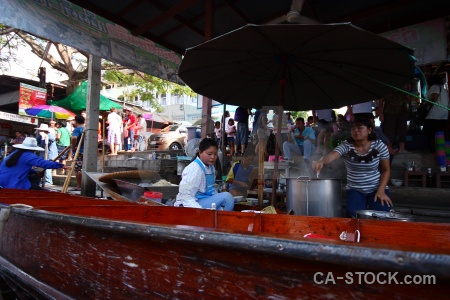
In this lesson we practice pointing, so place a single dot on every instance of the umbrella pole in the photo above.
(46, 158)
(278, 135)
(261, 150)
(103, 145)
(223, 143)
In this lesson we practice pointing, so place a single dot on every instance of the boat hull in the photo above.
(86, 249)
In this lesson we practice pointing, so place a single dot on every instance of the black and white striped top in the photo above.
(363, 173)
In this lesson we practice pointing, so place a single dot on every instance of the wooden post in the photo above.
(91, 126)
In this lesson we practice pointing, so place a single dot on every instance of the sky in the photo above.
(29, 66)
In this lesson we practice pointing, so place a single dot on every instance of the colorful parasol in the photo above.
(49, 112)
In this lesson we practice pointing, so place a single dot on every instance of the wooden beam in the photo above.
(124, 23)
(180, 19)
(174, 10)
(237, 11)
(130, 7)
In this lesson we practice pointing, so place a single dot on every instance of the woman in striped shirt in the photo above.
(364, 156)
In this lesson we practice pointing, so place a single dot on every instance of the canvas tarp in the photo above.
(76, 102)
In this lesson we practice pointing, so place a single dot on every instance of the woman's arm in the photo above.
(318, 165)
(385, 175)
(190, 185)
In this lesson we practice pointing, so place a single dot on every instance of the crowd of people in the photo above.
(60, 139)
(366, 149)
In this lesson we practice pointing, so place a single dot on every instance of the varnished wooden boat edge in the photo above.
(340, 253)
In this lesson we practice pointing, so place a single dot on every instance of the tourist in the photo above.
(324, 119)
(75, 142)
(230, 129)
(242, 174)
(62, 140)
(341, 130)
(198, 179)
(130, 122)
(114, 130)
(16, 170)
(241, 116)
(301, 140)
(19, 138)
(46, 138)
(364, 156)
(392, 112)
(218, 132)
(139, 134)
(437, 117)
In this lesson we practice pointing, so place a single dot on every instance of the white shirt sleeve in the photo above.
(193, 180)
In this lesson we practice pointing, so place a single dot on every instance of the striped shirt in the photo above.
(363, 173)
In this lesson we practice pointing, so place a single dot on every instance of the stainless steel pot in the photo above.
(314, 197)
(384, 215)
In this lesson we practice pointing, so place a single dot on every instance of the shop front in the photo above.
(9, 124)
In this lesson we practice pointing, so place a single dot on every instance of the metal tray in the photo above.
(130, 189)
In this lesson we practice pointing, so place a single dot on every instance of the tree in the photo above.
(11, 38)
(146, 86)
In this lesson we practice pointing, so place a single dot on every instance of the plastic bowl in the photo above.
(397, 182)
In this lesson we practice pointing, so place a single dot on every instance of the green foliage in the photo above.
(302, 114)
(147, 87)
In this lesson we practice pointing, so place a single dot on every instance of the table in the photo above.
(416, 176)
(442, 177)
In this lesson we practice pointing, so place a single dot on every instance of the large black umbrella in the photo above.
(300, 67)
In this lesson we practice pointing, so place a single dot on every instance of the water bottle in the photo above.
(154, 155)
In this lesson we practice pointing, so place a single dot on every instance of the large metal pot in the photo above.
(314, 197)
(384, 215)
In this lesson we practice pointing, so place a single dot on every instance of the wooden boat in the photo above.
(64, 246)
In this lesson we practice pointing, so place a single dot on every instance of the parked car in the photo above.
(172, 138)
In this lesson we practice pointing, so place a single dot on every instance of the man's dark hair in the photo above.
(300, 119)
(79, 119)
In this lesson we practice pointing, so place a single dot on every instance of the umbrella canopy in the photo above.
(155, 118)
(77, 100)
(49, 112)
(300, 67)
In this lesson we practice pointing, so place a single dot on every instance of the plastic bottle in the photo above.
(213, 206)
(429, 178)
(154, 155)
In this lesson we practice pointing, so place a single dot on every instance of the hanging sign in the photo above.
(30, 96)
(17, 118)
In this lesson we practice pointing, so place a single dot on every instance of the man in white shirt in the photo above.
(114, 130)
